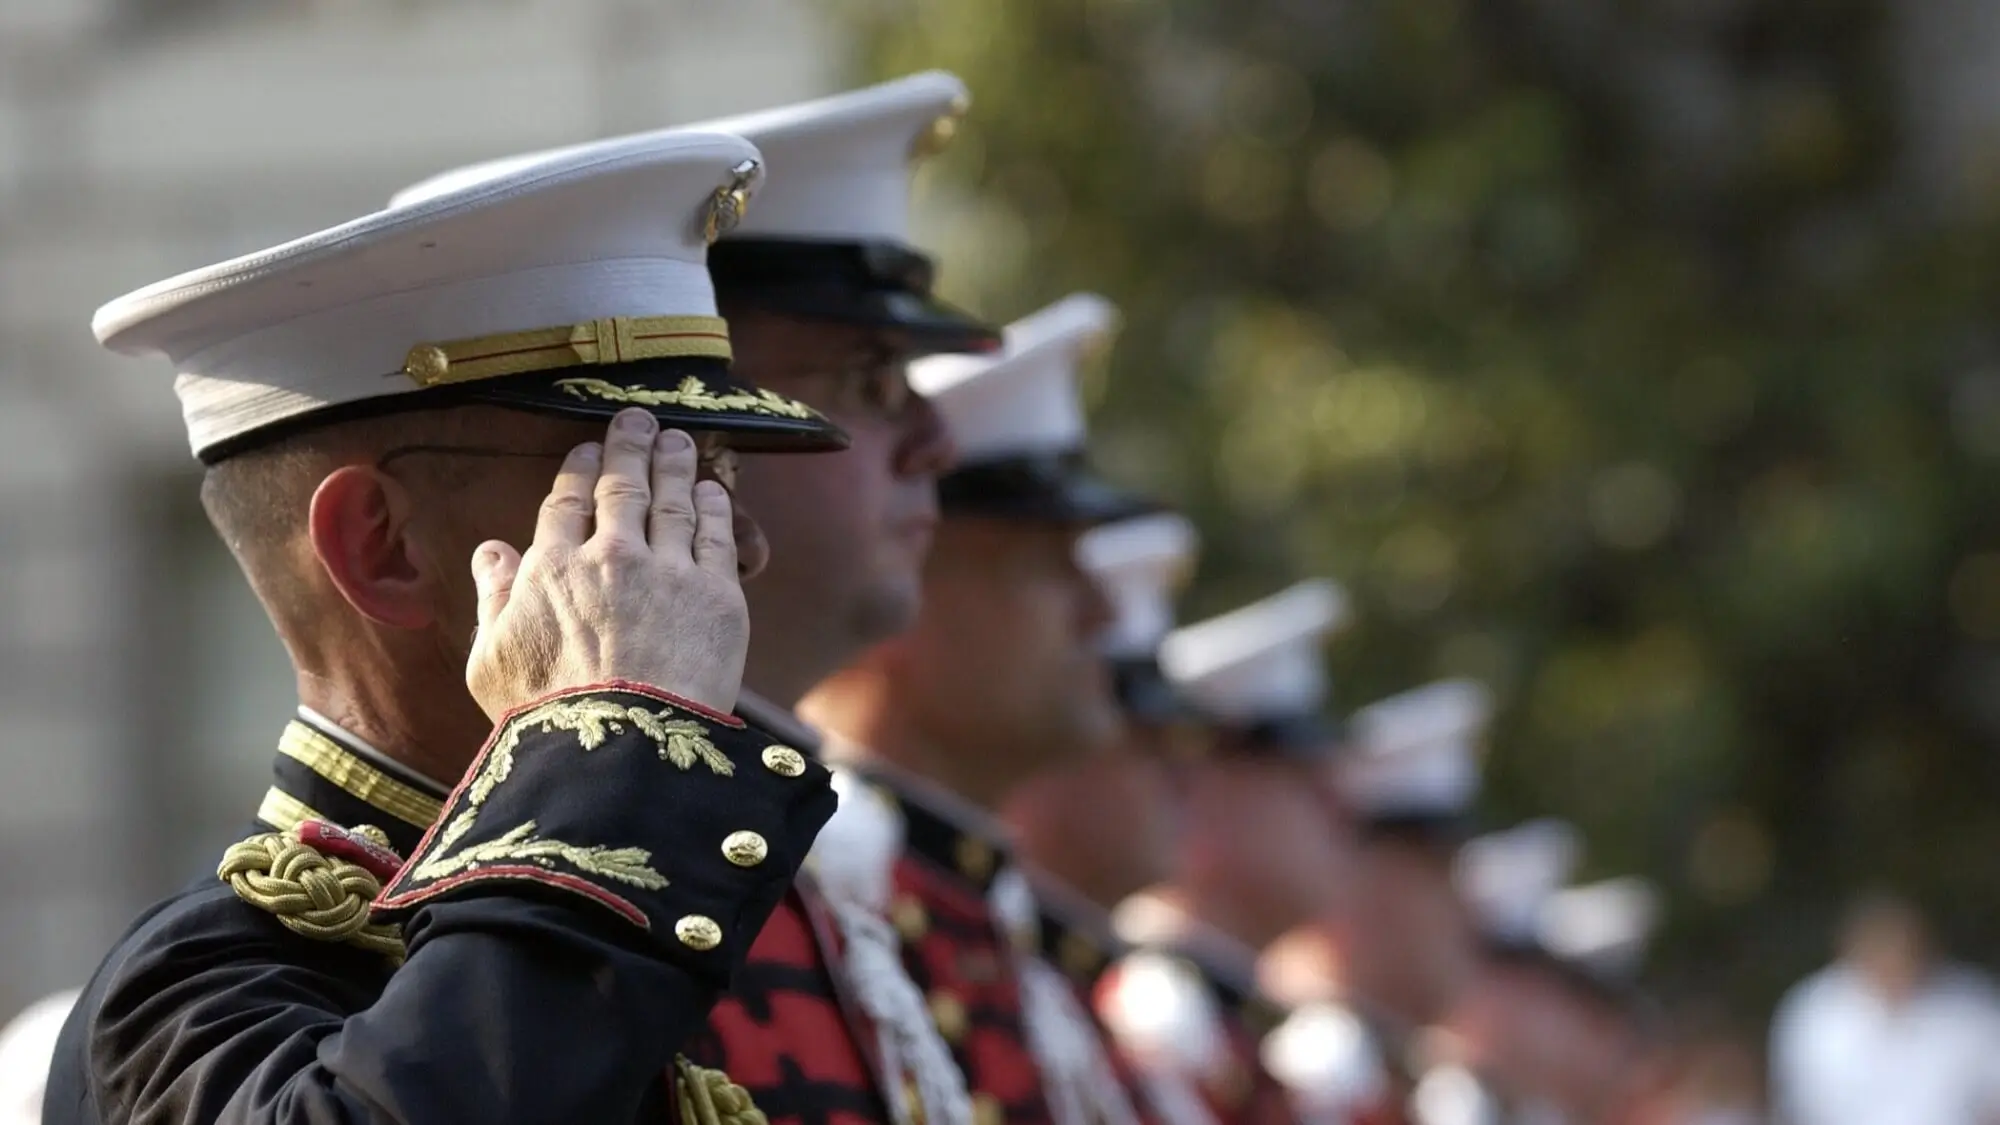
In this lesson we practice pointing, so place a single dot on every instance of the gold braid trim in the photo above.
(612, 339)
(708, 1097)
(321, 897)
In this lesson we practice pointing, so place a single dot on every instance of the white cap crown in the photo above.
(1262, 661)
(1509, 877)
(1602, 926)
(1417, 753)
(840, 165)
(1022, 400)
(586, 243)
(1141, 564)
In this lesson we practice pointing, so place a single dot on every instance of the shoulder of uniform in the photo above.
(319, 881)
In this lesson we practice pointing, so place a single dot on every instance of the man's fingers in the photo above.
(566, 513)
(625, 486)
(670, 525)
(715, 532)
(494, 566)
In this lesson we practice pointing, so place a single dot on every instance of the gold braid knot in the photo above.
(318, 896)
(708, 1097)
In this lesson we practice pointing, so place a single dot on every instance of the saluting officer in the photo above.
(1554, 1016)
(1397, 944)
(382, 407)
(1109, 828)
(1268, 842)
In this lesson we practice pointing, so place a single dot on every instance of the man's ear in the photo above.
(359, 525)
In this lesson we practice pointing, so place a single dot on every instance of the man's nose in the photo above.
(925, 447)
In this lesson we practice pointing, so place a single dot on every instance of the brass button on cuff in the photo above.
(784, 761)
(698, 932)
(745, 849)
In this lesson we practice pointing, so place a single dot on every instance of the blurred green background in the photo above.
(1603, 350)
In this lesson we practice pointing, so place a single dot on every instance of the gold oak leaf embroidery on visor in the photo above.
(682, 742)
(691, 394)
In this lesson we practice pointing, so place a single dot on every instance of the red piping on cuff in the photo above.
(617, 904)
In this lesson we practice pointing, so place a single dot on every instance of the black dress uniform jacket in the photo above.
(563, 922)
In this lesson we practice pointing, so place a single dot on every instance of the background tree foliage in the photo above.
(1598, 349)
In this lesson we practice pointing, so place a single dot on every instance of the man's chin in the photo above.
(888, 608)
(1090, 734)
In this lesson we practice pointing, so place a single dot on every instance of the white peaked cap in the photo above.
(840, 166)
(1417, 753)
(1260, 661)
(333, 317)
(1021, 400)
(1141, 564)
(1509, 877)
(1602, 926)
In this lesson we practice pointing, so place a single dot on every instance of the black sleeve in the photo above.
(588, 890)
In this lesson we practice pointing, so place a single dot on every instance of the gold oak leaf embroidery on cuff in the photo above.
(518, 844)
(682, 742)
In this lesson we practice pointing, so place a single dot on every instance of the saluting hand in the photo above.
(631, 576)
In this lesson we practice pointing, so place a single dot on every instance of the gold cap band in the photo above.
(617, 339)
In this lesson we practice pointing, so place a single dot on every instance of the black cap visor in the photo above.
(1307, 737)
(869, 284)
(1144, 691)
(693, 393)
(1053, 488)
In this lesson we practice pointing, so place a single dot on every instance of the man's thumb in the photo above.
(494, 566)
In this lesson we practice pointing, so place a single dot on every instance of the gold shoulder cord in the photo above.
(708, 1097)
(314, 895)
(326, 898)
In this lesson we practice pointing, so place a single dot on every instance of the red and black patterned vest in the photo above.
(959, 950)
(787, 1034)
(1077, 936)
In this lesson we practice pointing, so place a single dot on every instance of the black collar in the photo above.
(1075, 934)
(773, 719)
(323, 774)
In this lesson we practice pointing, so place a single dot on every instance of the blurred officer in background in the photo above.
(1399, 942)
(1889, 1033)
(1109, 828)
(999, 680)
(1553, 1015)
